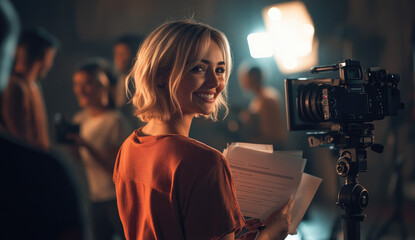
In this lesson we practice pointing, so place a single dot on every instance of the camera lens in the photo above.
(310, 102)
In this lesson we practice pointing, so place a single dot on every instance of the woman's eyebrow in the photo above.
(208, 62)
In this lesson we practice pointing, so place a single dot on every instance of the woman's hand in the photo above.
(277, 223)
(78, 142)
(253, 224)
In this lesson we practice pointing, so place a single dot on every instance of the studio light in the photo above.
(260, 45)
(291, 33)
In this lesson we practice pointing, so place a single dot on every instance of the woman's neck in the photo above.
(179, 126)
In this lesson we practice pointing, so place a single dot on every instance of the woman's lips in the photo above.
(206, 96)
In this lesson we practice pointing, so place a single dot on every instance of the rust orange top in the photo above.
(174, 187)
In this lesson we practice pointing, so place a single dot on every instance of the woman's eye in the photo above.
(198, 69)
(220, 70)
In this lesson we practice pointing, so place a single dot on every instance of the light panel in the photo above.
(260, 45)
(291, 32)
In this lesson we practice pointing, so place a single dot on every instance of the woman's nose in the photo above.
(212, 79)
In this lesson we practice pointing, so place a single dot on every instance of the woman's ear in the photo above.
(160, 84)
(161, 81)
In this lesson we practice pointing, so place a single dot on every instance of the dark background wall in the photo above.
(376, 32)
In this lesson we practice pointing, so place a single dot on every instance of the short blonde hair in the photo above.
(164, 57)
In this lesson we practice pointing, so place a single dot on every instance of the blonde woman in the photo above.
(168, 185)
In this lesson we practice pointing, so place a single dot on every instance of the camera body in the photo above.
(354, 97)
(63, 127)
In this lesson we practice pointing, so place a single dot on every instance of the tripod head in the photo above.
(352, 140)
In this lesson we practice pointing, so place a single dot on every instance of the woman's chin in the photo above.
(205, 113)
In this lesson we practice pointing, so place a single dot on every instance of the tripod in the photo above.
(353, 141)
(352, 197)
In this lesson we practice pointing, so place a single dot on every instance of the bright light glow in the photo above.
(260, 45)
(293, 237)
(290, 63)
(275, 14)
(308, 29)
(292, 36)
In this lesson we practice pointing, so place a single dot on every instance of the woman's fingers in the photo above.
(288, 206)
(253, 224)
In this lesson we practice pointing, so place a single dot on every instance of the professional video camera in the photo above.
(355, 97)
(338, 112)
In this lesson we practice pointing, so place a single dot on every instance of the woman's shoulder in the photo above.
(179, 146)
(189, 142)
(198, 161)
(190, 148)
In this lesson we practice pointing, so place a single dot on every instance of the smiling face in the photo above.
(199, 88)
(87, 90)
(182, 69)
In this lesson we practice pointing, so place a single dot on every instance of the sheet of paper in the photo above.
(264, 181)
(305, 193)
(268, 148)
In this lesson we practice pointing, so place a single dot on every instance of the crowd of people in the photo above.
(43, 197)
(153, 182)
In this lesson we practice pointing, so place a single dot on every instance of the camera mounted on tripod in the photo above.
(338, 112)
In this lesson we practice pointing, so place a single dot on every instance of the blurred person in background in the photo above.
(41, 194)
(102, 129)
(264, 119)
(124, 53)
(23, 107)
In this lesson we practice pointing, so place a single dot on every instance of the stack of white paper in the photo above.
(265, 180)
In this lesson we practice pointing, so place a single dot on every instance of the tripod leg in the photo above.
(351, 229)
